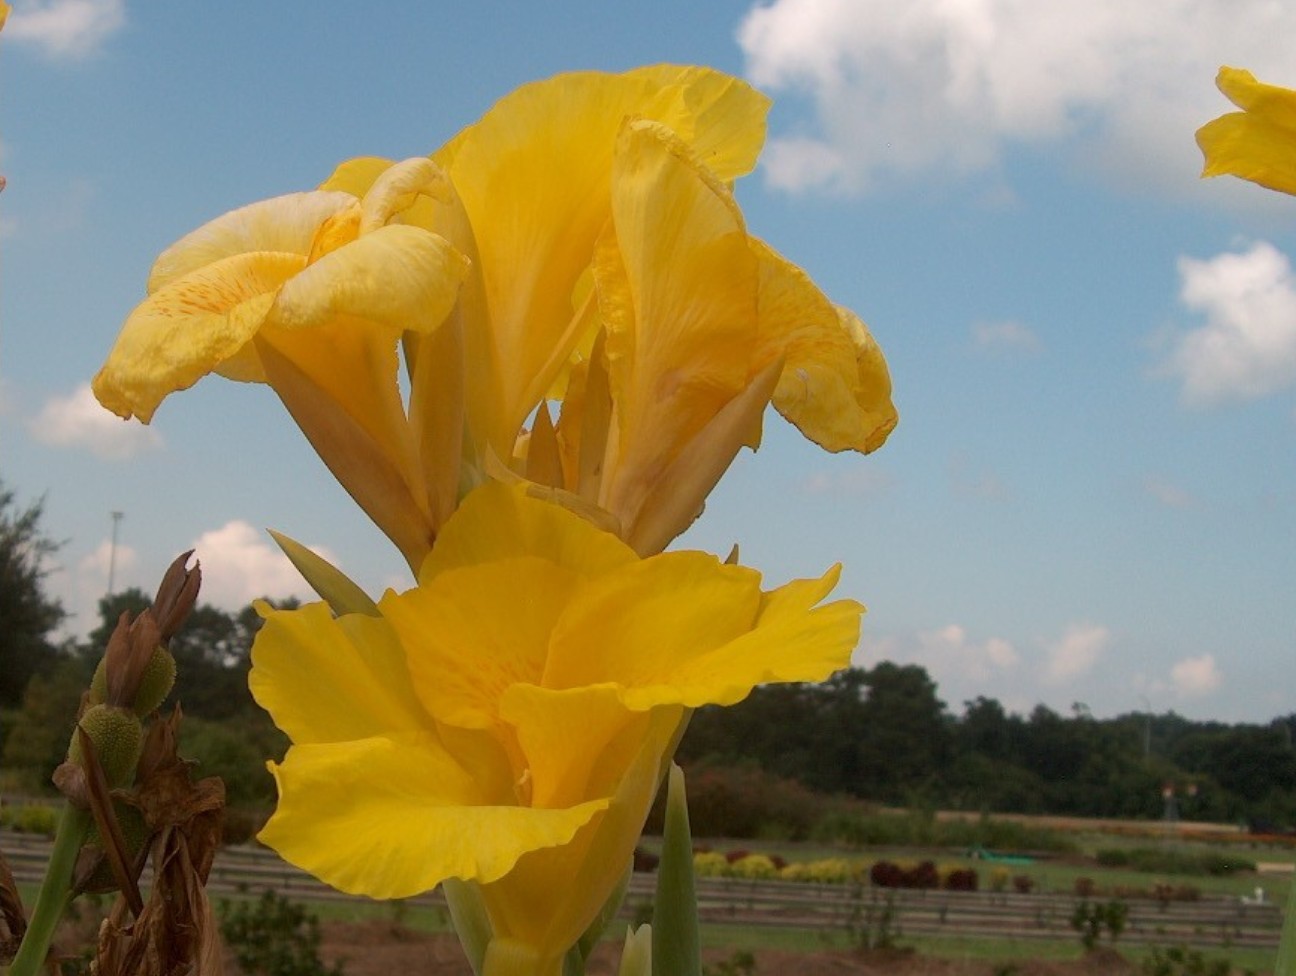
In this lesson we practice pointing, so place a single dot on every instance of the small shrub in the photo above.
(1090, 918)
(709, 864)
(273, 936)
(753, 867)
(1023, 884)
(34, 819)
(645, 860)
(741, 963)
(1182, 961)
(964, 879)
(999, 878)
(1085, 887)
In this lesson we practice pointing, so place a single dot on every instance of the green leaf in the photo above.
(676, 950)
(471, 923)
(334, 587)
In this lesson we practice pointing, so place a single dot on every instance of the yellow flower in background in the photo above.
(310, 293)
(507, 722)
(1257, 143)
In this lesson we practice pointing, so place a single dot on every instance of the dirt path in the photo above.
(379, 949)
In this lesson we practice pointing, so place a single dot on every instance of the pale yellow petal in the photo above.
(195, 325)
(399, 187)
(678, 298)
(835, 386)
(331, 680)
(356, 176)
(397, 278)
(285, 224)
(533, 176)
(391, 819)
(497, 521)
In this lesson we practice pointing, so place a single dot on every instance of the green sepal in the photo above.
(471, 923)
(676, 950)
(334, 586)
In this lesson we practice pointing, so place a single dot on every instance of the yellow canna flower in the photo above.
(1258, 143)
(507, 722)
(310, 293)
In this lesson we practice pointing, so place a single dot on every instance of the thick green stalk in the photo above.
(55, 893)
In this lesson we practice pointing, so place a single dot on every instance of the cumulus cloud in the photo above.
(66, 29)
(1075, 653)
(1194, 677)
(935, 85)
(950, 655)
(78, 420)
(860, 479)
(240, 564)
(1247, 348)
(1005, 336)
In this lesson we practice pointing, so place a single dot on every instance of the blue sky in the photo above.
(1091, 496)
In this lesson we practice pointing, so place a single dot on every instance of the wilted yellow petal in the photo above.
(284, 224)
(396, 277)
(835, 385)
(392, 818)
(1258, 143)
(194, 325)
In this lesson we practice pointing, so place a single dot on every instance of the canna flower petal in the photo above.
(539, 670)
(390, 818)
(1258, 143)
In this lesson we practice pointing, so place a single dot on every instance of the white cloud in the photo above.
(969, 481)
(954, 660)
(66, 29)
(78, 420)
(1006, 335)
(932, 86)
(1075, 653)
(860, 479)
(1194, 677)
(240, 564)
(1247, 348)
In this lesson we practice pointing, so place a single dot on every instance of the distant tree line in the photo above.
(882, 734)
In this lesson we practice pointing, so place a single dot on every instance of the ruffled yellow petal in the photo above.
(285, 224)
(498, 521)
(788, 643)
(390, 819)
(331, 680)
(396, 278)
(678, 299)
(835, 386)
(196, 324)
(533, 176)
(657, 615)
(471, 633)
(1258, 143)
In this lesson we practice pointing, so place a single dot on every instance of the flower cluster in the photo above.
(590, 334)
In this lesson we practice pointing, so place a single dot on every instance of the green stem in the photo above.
(55, 893)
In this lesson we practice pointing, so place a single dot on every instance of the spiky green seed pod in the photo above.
(159, 677)
(99, 685)
(117, 736)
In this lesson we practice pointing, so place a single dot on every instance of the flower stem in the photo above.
(55, 893)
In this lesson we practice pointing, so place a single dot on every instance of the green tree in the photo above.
(38, 741)
(28, 616)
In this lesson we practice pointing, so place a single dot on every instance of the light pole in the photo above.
(112, 552)
(1147, 727)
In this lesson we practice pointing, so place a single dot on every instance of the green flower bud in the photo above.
(159, 677)
(99, 685)
(136, 834)
(117, 736)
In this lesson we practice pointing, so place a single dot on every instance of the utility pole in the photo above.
(1147, 727)
(112, 552)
